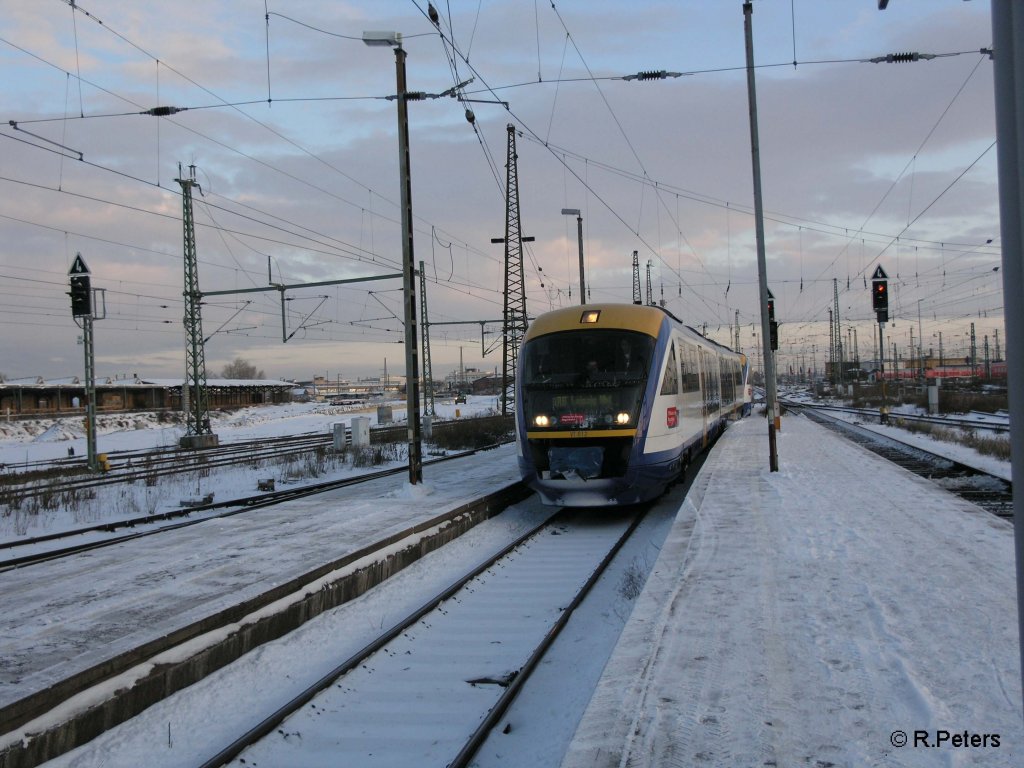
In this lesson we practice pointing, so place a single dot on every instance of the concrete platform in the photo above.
(839, 612)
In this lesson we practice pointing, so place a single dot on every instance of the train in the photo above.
(613, 401)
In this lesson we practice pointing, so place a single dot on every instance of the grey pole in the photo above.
(579, 236)
(412, 374)
(1008, 44)
(90, 394)
(771, 393)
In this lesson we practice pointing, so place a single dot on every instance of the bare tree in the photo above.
(241, 369)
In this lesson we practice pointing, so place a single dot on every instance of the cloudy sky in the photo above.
(286, 119)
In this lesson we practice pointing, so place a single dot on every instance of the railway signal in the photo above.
(880, 294)
(81, 288)
(773, 327)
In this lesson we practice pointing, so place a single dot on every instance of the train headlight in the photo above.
(542, 421)
(622, 418)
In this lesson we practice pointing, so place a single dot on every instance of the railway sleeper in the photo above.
(142, 677)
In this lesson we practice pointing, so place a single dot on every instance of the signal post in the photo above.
(82, 312)
(880, 303)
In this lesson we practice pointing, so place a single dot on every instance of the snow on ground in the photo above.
(953, 451)
(814, 616)
(45, 439)
(839, 612)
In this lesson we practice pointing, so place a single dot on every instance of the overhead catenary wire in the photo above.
(677, 203)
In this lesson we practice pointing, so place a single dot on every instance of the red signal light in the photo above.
(879, 296)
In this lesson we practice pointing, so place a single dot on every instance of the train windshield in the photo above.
(584, 379)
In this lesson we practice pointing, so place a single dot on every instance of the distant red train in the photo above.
(963, 371)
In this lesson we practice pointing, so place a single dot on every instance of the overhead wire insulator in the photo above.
(651, 74)
(164, 111)
(899, 58)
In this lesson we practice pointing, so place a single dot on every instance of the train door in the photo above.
(705, 383)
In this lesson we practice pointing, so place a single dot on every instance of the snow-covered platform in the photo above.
(838, 612)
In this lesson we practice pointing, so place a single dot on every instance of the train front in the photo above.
(581, 384)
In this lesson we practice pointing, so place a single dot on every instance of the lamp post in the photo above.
(412, 375)
(579, 235)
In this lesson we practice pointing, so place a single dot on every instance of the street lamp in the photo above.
(579, 234)
(412, 374)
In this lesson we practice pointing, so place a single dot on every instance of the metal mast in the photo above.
(974, 353)
(197, 418)
(428, 376)
(838, 334)
(637, 296)
(650, 292)
(514, 316)
(832, 344)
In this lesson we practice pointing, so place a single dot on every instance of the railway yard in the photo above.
(805, 617)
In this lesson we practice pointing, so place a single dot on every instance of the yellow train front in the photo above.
(614, 400)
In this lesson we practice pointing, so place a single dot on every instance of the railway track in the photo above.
(109, 689)
(70, 475)
(989, 492)
(449, 670)
(986, 422)
(40, 549)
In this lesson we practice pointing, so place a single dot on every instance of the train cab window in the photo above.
(590, 379)
(670, 383)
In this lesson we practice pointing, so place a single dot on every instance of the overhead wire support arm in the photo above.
(483, 343)
(303, 324)
(291, 286)
(281, 288)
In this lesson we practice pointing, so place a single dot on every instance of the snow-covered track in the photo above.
(68, 475)
(70, 711)
(450, 669)
(69, 542)
(987, 422)
(989, 492)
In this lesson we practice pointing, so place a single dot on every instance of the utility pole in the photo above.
(428, 376)
(412, 374)
(1008, 39)
(637, 295)
(838, 334)
(974, 353)
(514, 315)
(650, 293)
(913, 365)
(920, 341)
(832, 345)
(579, 237)
(771, 393)
(193, 390)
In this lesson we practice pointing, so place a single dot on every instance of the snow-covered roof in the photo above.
(75, 381)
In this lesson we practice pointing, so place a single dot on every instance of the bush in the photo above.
(986, 445)
(472, 433)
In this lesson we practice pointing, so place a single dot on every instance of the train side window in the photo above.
(670, 384)
(691, 370)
